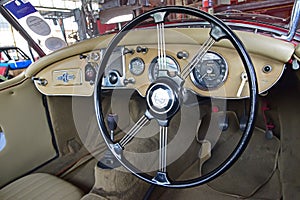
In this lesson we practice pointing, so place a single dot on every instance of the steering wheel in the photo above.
(165, 96)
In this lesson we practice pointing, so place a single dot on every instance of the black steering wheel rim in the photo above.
(252, 81)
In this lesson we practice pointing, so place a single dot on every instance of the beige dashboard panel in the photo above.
(72, 50)
(264, 51)
(65, 78)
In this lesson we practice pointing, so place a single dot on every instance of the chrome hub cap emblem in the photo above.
(160, 98)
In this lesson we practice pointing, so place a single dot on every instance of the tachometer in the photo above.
(171, 66)
(211, 72)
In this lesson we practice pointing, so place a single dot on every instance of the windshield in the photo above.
(54, 24)
(276, 12)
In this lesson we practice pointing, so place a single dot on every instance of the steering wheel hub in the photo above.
(162, 100)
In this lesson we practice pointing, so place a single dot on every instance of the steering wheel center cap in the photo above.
(160, 98)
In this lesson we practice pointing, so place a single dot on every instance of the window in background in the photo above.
(2, 140)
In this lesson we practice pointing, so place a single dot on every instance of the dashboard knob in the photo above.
(128, 51)
(140, 49)
(81, 56)
(113, 78)
(182, 55)
(129, 81)
(267, 69)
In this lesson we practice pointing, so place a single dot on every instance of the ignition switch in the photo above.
(113, 77)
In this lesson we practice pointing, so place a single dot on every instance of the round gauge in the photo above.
(137, 66)
(210, 72)
(171, 66)
(90, 72)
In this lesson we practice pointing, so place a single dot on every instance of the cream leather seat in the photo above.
(40, 186)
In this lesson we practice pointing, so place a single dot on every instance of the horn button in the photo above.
(163, 100)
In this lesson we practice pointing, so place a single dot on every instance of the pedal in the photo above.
(221, 118)
(269, 125)
(243, 122)
(223, 122)
(269, 134)
(204, 154)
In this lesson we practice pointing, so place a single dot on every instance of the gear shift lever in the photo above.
(112, 120)
(109, 161)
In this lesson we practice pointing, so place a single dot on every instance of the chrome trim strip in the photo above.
(295, 16)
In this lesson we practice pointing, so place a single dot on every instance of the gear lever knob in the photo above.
(112, 120)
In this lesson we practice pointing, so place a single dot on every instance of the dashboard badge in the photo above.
(65, 77)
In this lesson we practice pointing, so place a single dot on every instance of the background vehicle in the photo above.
(12, 58)
(193, 105)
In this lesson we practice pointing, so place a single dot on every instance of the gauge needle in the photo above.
(201, 78)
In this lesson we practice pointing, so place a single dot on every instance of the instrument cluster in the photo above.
(126, 65)
(207, 74)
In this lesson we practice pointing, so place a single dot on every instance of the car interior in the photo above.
(195, 109)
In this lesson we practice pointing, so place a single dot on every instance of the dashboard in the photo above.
(134, 65)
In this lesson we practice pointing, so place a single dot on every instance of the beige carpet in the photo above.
(253, 176)
(251, 171)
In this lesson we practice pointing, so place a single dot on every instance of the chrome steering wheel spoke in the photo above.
(161, 177)
(163, 144)
(197, 58)
(134, 130)
(216, 34)
(159, 19)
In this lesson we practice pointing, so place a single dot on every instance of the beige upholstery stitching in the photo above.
(20, 184)
(67, 196)
(39, 187)
(27, 190)
(17, 185)
(50, 187)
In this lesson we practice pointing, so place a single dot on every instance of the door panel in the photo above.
(28, 137)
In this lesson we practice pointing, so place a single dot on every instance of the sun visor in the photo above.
(117, 14)
(33, 22)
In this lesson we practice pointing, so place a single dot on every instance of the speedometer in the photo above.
(211, 72)
(171, 66)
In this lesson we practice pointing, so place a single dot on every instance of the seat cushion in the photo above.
(40, 186)
(91, 196)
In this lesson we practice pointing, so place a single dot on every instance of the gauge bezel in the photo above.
(131, 66)
(200, 86)
(153, 64)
